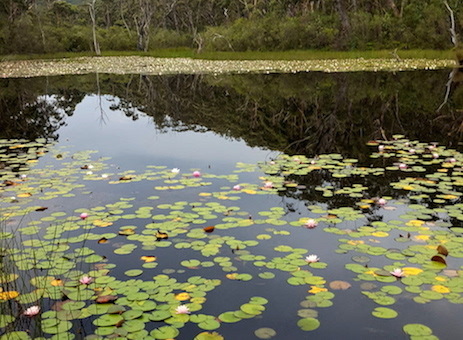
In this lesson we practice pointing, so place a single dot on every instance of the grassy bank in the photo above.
(274, 55)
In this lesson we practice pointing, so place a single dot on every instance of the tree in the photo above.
(91, 9)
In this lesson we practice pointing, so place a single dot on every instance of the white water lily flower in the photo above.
(32, 311)
(175, 170)
(182, 309)
(312, 258)
(397, 272)
(268, 185)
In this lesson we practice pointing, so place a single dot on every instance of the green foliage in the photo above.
(163, 38)
(229, 26)
(116, 38)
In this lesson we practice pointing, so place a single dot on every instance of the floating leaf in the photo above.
(442, 250)
(165, 332)
(106, 298)
(308, 324)
(208, 336)
(439, 258)
(148, 259)
(133, 272)
(209, 324)
(416, 329)
(265, 333)
(229, 317)
(161, 235)
(340, 285)
(182, 296)
(384, 313)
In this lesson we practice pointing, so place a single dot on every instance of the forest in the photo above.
(49, 26)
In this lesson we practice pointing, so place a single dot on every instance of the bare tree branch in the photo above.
(452, 29)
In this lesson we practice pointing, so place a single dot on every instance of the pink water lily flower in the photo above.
(32, 311)
(237, 187)
(182, 309)
(402, 166)
(381, 201)
(85, 280)
(312, 258)
(196, 174)
(83, 216)
(397, 272)
(311, 223)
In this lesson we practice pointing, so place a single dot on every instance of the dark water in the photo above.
(211, 123)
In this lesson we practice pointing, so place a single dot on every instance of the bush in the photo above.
(162, 38)
(117, 38)
(271, 33)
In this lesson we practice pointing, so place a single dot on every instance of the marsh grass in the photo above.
(251, 55)
(17, 279)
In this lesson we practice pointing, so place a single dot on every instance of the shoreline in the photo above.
(166, 66)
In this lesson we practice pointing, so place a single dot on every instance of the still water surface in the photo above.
(210, 124)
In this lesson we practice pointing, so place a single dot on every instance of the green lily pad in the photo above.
(384, 313)
(208, 336)
(253, 309)
(308, 324)
(108, 320)
(209, 324)
(133, 272)
(165, 332)
(265, 333)
(416, 329)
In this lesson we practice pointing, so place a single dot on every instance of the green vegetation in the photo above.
(249, 55)
(230, 26)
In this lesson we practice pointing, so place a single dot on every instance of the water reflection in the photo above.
(310, 113)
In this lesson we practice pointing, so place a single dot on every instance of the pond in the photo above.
(255, 206)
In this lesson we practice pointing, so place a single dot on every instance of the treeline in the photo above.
(45, 26)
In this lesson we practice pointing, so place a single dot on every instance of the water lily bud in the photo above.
(83, 216)
(196, 174)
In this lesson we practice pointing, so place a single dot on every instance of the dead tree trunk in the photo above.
(143, 24)
(96, 45)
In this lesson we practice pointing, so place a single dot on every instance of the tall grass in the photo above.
(251, 55)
